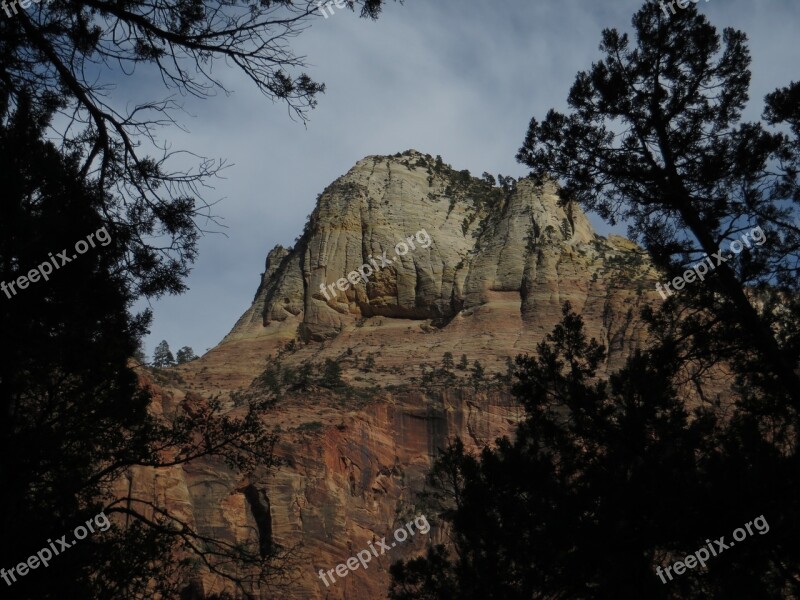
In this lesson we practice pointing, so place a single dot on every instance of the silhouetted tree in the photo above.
(604, 481)
(76, 421)
(71, 54)
(185, 354)
(139, 356)
(162, 355)
(691, 179)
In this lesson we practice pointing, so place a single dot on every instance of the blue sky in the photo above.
(451, 77)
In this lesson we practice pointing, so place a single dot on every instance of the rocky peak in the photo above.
(490, 267)
(484, 238)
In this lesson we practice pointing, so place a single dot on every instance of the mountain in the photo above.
(439, 261)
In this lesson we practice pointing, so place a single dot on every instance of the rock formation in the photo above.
(500, 262)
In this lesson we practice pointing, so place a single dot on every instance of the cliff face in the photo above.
(489, 270)
(483, 239)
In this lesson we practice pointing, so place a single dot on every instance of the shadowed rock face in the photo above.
(260, 510)
(490, 283)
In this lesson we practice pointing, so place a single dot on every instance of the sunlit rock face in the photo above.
(486, 278)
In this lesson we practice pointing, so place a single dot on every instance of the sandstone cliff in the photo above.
(490, 283)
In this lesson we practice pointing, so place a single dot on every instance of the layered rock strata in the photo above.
(501, 261)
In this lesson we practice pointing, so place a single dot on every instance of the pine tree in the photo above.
(303, 377)
(331, 374)
(270, 378)
(447, 361)
(162, 356)
(186, 354)
(477, 371)
(692, 180)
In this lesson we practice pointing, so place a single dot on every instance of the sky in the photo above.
(458, 78)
